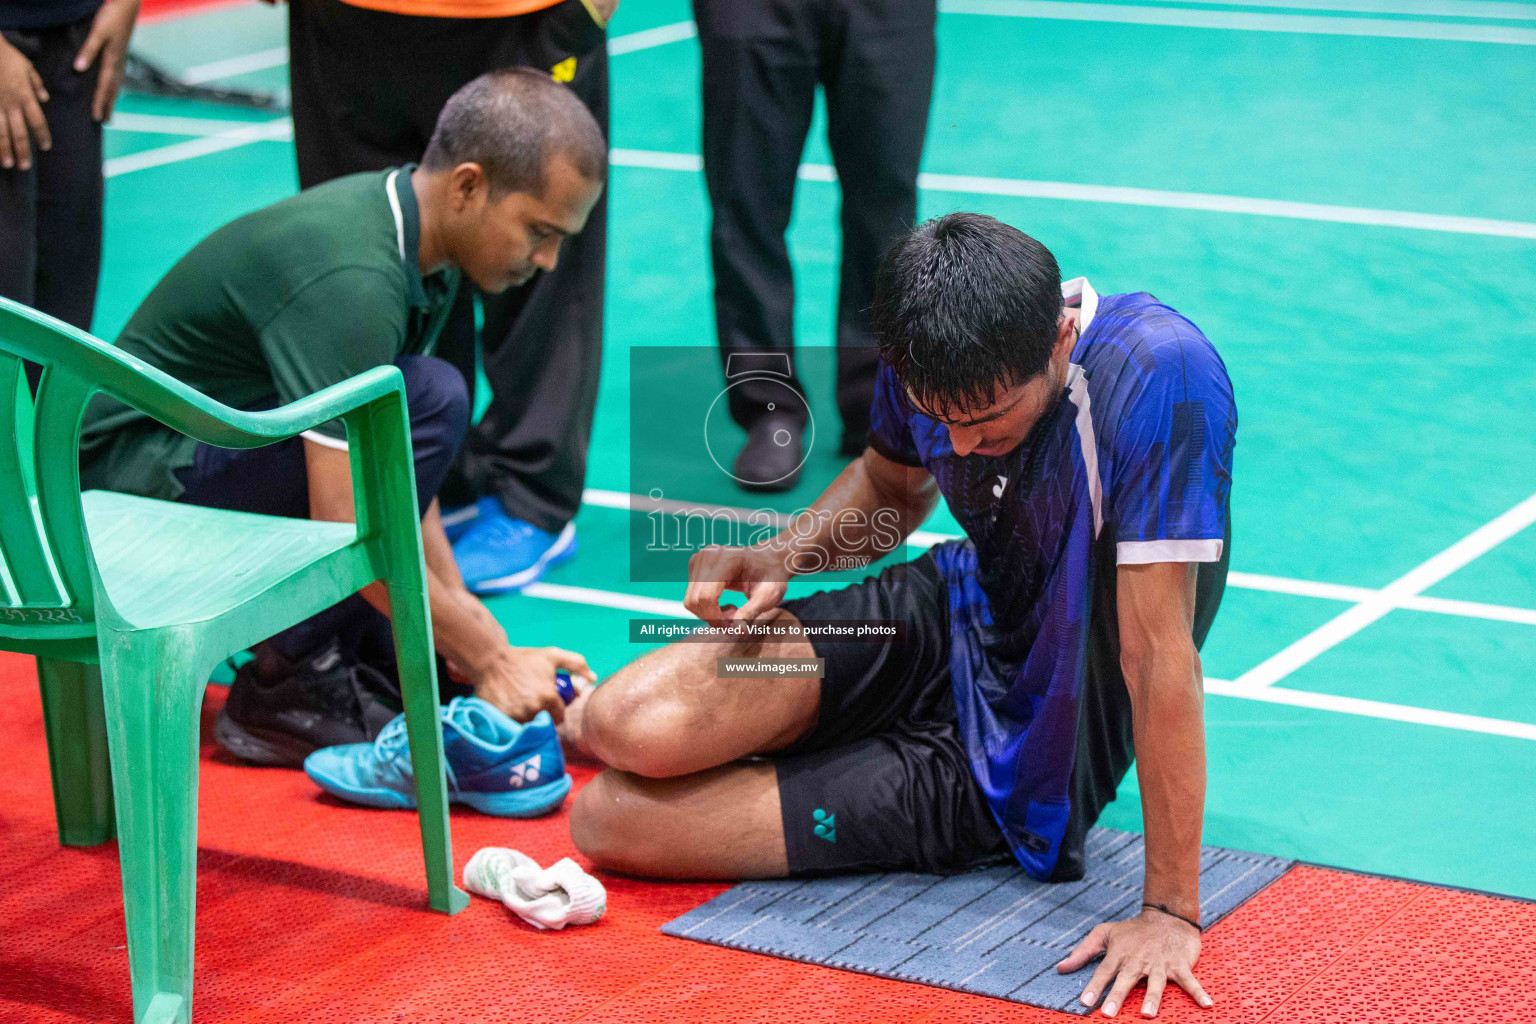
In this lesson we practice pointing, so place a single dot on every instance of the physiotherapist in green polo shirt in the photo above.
(352, 274)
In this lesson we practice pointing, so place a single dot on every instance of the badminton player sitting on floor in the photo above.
(356, 273)
(1084, 443)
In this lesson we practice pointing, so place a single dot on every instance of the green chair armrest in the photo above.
(157, 394)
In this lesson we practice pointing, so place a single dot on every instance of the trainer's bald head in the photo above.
(513, 123)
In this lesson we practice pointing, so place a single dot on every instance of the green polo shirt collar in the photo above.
(402, 203)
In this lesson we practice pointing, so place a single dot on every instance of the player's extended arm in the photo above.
(1162, 673)
(518, 680)
(866, 512)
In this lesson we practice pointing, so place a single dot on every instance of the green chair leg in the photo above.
(77, 751)
(418, 691)
(153, 686)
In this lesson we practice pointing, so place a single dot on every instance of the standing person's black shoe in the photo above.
(278, 713)
(770, 460)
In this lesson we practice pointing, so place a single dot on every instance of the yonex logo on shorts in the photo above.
(826, 824)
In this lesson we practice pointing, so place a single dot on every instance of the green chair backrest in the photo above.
(46, 568)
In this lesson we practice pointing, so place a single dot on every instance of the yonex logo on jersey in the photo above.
(525, 772)
(826, 824)
(997, 488)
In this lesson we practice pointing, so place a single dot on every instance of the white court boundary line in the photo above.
(221, 136)
(1126, 196)
(1242, 21)
(166, 124)
(1416, 580)
(1501, 9)
(1220, 687)
(260, 131)
(197, 74)
(624, 501)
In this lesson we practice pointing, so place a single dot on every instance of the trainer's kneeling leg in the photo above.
(720, 823)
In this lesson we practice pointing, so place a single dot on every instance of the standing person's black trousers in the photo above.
(762, 61)
(367, 89)
(50, 215)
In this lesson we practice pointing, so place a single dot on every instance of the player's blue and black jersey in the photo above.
(1139, 444)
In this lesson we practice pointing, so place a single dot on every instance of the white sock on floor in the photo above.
(550, 897)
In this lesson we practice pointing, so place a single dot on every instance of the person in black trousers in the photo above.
(367, 87)
(61, 63)
(762, 62)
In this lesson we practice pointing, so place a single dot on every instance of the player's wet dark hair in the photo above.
(511, 123)
(962, 304)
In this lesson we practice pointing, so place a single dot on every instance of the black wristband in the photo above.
(1161, 909)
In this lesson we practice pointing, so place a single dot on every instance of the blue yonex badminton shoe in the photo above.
(457, 519)
(494, 764)
(497, 553)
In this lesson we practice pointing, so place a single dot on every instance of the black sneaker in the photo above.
(278, 713)
(771, 458)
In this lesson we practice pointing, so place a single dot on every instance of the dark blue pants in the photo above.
(274, 481)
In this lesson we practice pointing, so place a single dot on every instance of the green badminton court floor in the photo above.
(1339, 193)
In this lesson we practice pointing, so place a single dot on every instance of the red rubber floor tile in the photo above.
(312, 910)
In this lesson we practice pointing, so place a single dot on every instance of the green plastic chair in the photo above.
(129, 603)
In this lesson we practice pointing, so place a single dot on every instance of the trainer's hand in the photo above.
(1151, 945)
(520, 681)
(21, 113)
(108, 39)
(755, 572)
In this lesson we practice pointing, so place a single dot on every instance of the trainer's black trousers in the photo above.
(367, 89)
(50, 215)
(762, 62)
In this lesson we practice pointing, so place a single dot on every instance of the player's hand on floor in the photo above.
(755, 572)
(108, 40)
(1151, 945)
(520, 681)
(21, 109)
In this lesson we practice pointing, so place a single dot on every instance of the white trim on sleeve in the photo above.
(1144, 552)
(394, 208)
(1077, 393)
(325, 442)
(1088, 301)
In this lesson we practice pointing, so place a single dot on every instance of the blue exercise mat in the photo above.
(995, 931)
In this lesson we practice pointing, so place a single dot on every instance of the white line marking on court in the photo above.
(197, 74)
(1122, 195)
(607, 599)
(647, 38)
(625, 501)
(1125, 196)
(1129, 14)
(1418, 579)
(1420, 8)
(1373, 709)
(656, 160)
(162, 124)
(261, 131)
(1220, 687)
